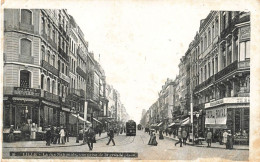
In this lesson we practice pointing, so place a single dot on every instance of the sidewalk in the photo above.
(205, 144)
(42, 144)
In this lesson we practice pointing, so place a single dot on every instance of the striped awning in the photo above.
(185, 122)
(97, 120)
(25, 99)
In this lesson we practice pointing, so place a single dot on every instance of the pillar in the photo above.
(220, 62)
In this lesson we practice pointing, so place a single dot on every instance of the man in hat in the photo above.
(180, 137)
(89, 136)
(209, 138)
(225, 135)
(111, 136)
(48, 136)
(62, 135)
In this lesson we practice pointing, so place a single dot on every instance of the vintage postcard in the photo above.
(130, 80)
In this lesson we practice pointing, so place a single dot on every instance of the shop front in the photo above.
(230, 113)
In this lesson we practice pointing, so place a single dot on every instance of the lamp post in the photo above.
(197, 115)
(77, 138)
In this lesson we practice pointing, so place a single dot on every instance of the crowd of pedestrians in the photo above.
(56, 135)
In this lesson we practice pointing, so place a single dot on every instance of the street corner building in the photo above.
(50, 77)
(213, 81)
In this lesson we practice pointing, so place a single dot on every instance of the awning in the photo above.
(159, 124)
(172, 124)
(185, 122)
(97, 120)
(25, 99)
(81, 119)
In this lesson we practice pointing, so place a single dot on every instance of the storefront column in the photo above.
(242, 119)
(234, 121)
(10, 115)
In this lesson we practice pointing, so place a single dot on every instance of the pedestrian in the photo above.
(52, 134)
(161, 134)
(152, 140)
(90, 135)
(33, 132)
(111, 136)
(209, 138)
(184, 136)
(48, 136)
(179, 137)
(225, 134)
(229, 140)
(57, 134)
(99, 131)
(62, 135)
(67, 135)
(11, 133)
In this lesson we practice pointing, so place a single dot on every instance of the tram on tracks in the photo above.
(130, 128)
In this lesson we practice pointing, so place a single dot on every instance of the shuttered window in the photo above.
(26, 17)
(26, 47)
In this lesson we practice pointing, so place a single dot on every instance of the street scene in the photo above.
(138, 144)
(123, 86)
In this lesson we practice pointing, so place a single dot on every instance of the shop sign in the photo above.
(216, 116)
(245, 33)
(27, 91)
(228, 100)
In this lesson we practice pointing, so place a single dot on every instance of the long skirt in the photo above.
(152, 141)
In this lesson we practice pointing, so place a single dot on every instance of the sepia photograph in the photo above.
(128, 80)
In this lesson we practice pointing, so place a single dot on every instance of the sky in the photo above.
(139, 43)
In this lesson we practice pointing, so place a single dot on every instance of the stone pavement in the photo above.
(42, 144)
(205, 144)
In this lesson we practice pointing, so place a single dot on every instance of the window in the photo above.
(216, 31)
(216, 61)
(25, 79)
(53, 35)
(43, 53)
(48, 85)
(213, 30)
(53, 60)
(42, 81)
(62, 68)
(213, 72)
(53, 86)
(209, 70)
(43, 25)
(59, 65)
(26, 46)
(209, 36)
(244, 50)
(205, 70)
(48, 57)
(224, 20)
(26, 17)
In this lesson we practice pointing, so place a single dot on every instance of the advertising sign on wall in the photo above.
(216, 116)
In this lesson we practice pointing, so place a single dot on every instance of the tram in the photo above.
(130, 128)
(139, 126)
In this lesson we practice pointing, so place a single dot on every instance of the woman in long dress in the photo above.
(152, 140)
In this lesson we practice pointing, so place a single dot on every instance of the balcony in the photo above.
(204, 84)
(26, 59)
(244, 64)
(81, 54)
(51, 97)
(26, 27)
(230, 68)
(81, 72)
(50, 68)
(64, 77)
(63, 54)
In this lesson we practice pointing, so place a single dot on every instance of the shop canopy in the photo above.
(172, 124)
(97, 120)
(80, 118)
(159, 124)
(185, 122)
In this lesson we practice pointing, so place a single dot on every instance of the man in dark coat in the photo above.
(90, 135)
(48, 136)
(180, 137)
(111, 136)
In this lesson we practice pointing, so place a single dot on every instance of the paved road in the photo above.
(166, 150)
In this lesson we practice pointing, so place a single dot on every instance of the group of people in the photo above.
(56, 135)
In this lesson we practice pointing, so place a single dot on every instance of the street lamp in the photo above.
(197, 115)
(77, 138)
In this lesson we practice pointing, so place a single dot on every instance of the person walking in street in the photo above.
(67, 135)
(209, 138)
(111, 136)
(90, 136)
(57, 133)
(229, 144)
(184, 136)
(152, 140)
(11, 134)
(161, 134)
(225, 135)
(48, 136)
(100, 131)
(179, 137)
(62, 135)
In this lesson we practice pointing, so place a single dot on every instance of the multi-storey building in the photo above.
(35, 66)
